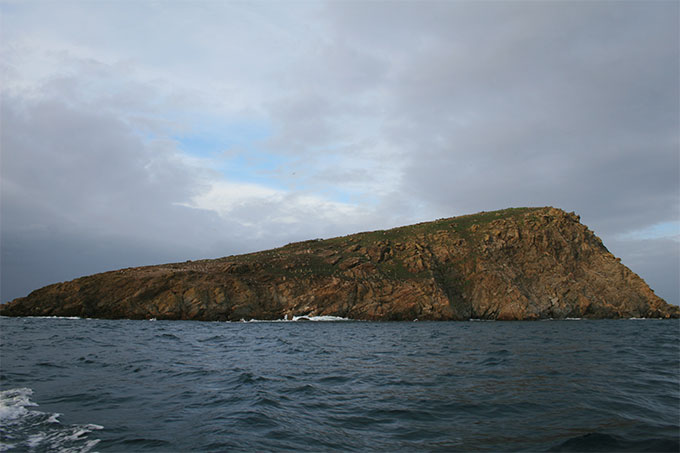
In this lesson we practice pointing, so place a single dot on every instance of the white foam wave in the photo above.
(320, 318)
(13, 404)
(302, 318)
(22, 429)
(55, 317)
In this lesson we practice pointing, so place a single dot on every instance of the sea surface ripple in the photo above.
(83, 385)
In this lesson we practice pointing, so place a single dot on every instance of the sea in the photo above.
(326, 384)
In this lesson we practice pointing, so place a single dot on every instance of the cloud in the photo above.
(656, 260)
(89, 185)
(571, 105)
(178, 131)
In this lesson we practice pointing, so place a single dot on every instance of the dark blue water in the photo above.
(344, 386)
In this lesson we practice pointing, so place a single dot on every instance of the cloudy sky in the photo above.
(139, 132)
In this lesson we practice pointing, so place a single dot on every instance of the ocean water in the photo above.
(81, 385)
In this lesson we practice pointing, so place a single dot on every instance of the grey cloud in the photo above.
(553, 119)
(305, 122)
(464, 106)
(515, 104)
(491, 105)
(655, 260)
(338, 68)
(82, 163)
(83, 192)
(84, 179)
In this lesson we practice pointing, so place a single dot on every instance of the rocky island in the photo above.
(514, 264)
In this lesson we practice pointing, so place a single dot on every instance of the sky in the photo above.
(144, 132)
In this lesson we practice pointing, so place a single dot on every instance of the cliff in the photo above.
(523, 263)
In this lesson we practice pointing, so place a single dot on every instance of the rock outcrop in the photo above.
(515, 264)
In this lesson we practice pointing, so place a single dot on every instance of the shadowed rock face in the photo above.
(524, 263)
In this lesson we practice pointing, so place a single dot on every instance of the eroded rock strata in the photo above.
(523, 263)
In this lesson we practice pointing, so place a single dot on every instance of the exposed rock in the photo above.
(525, 263)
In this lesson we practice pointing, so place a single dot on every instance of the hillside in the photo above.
(514, 264)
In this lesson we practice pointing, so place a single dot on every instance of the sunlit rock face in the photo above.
(514, 264)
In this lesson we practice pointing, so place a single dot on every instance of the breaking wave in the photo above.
(23, 429)
(303, 318)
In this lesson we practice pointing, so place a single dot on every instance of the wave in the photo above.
(596, 441)
(320, 318)
(52, 317)
(26, 429)
(302, 318)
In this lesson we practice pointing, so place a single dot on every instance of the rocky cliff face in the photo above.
(525, 263)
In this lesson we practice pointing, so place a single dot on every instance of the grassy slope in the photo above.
(315, 257)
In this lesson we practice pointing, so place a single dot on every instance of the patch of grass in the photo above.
(304, 257)
(395, 270)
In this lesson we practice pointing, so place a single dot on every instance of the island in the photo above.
(513, 264)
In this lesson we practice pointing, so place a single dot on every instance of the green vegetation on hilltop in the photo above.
(317, 258)
(459, 223)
